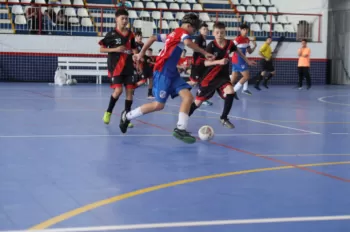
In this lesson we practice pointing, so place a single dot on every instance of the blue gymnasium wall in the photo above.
(41, 68)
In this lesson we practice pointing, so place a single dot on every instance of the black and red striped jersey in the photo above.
(218, 71)
(198, 58)
(119, 64)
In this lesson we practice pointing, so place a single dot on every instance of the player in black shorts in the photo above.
(147, 72)
(120, 46)
(198, 67)
(216, 76)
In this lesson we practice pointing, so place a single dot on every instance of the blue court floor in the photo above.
(285, 167)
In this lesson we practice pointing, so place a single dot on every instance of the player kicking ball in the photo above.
(216, 75)
(239, 65)
(120, 46)
(166, 78)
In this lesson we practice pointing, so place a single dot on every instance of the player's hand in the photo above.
(137, 57)
(210, 56)
(224, 61)
(251, 63)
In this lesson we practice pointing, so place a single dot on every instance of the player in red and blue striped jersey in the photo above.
(166, 78)
(239, 65)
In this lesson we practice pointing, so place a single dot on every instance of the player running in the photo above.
(198, 67)
(120, 46)
(216, 76)
(239, 65)
(167, 80)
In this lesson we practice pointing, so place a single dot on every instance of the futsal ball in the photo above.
(69, 82)
(206, 133)
(74, 81)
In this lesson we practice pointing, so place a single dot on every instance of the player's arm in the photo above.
(105, 44)
(240, 53)
(188, 42)
(307, 54)
(251, 50)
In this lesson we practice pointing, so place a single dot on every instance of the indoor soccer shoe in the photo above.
(227, 123)
(184, 136)
(131, 125)
(124, 122)
(107, 117)
(207, 103)
(247, 92)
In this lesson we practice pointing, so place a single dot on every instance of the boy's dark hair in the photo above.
(244, 26)
(138, 33)
(121, 11)
(219, 25)
(203, 25)
(304, 40)
(193, 20)
(269, 37)
(150, 49)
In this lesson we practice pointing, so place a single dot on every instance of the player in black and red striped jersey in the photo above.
(216, 76)
(120, 46)
(198, 67)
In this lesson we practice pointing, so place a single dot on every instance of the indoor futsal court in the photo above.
(285, 167)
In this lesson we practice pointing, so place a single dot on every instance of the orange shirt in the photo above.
(304, 61)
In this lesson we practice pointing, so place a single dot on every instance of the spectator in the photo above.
(304, 64)
(124, 4)
(33, 15)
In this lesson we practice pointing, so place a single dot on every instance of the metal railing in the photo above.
(98, 19)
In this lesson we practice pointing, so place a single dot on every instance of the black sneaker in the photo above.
(236, 96)
(124, 122)
(247, 92)
(265, 85)
(257, 87)
(227, 123)
(184, 136)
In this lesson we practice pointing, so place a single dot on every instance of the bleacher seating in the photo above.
(96, 17)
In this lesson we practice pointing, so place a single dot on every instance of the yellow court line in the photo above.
(85, 208)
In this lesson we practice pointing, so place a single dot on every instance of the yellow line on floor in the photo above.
(85, 208)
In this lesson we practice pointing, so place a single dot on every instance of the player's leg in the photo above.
(226, 91)
(150, 87)
(161, 89)
(203, 94)
(245, 73)
(271, 72)
(307, 77)
(234, 77)
(117, 86)
(260, 75)
(181, 88)
(196, 73)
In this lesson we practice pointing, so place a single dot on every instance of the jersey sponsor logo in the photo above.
(118, 41)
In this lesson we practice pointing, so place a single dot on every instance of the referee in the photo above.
(267, 69)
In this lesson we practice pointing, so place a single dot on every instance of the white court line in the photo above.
(138, 135)
(339, 133)
(194, 224)
(257, 121)
(321, 99)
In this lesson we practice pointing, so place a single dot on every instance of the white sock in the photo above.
(245, 86)
(237, 87)
(134, 113)
(183, 121)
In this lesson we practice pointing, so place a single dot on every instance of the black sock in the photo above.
(128, 104)
(227, 106)
(150, 92)
(193, 108)
(259, 78)
(111, 105)
(269, 76)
